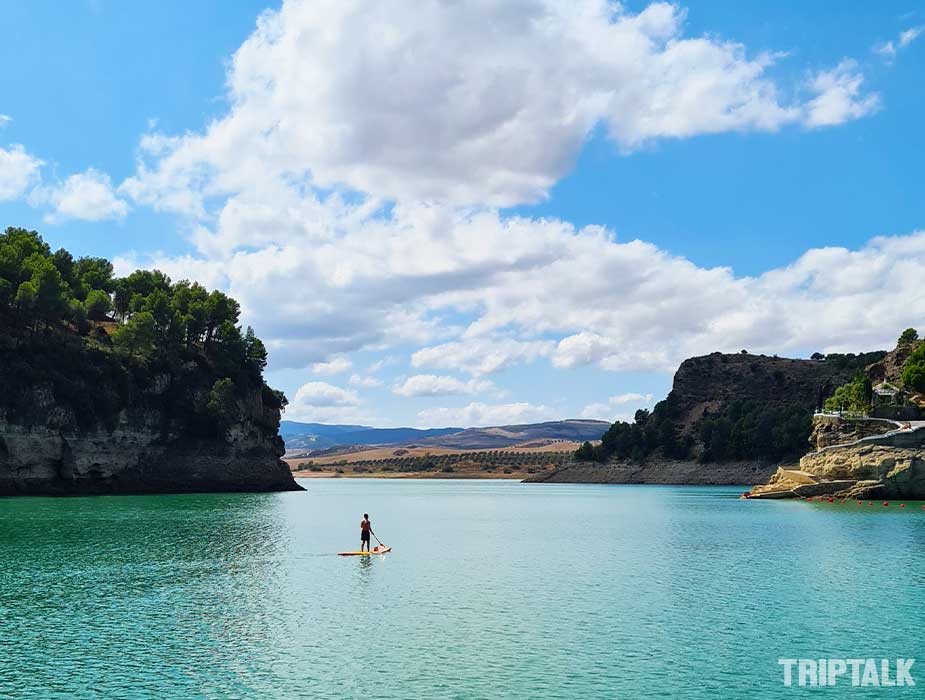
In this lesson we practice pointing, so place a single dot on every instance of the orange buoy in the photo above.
(902, 505)
(886, 504)
(870, 503)
(831, 500)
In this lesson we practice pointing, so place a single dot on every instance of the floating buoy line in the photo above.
(843, 501)
(840, 501)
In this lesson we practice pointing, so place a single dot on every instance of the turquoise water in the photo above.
(494, 590)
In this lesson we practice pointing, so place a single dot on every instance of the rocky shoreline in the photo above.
(132, 460)
(664, 472)
(886, 461)
(149, 447)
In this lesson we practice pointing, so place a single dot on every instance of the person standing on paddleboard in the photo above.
(366, 529)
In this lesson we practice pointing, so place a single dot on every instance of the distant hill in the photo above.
(288, 428)
(506, 435)
(318, 436)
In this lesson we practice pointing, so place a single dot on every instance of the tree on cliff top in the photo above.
(908, 337)
(160, 324)
(914, 372)
(854, 396)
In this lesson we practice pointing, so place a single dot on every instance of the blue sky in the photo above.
(485, 214)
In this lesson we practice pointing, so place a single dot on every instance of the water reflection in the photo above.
(243, 596)
(364, 568)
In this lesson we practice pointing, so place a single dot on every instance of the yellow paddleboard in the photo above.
(375, 550)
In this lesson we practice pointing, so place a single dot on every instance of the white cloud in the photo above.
(380, 363)
(352, 415)
(5, 119)
(19, 170)
(479, 356)
(535, 290)
(464, 102)
(839, 97)
(889, 49)
(434, 385)
(337, 365)
(631, 397)
(419, 103)
(361, 382)
(325, 403)
(87, 196)
(910, 35)
(614, 408)
(324, 394)
(481, 414)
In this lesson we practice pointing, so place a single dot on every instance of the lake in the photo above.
(494, 590)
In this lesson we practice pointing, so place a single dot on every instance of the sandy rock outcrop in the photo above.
(891, 472)
(832, 430)
(890, 465)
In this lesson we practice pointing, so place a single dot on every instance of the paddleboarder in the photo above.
(366, 529)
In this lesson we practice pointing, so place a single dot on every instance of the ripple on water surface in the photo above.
(494, 590)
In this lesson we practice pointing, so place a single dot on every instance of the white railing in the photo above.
(850, 415)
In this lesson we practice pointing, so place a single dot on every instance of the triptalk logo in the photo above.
(879, 673)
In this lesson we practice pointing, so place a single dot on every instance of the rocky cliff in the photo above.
(890, 368)
(729, 418)
(890, 464)
(80, 420)
(833, 430)
(706, 386)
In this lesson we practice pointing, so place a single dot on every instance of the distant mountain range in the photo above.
(319, 436)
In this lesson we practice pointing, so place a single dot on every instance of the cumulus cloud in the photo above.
(326, 403)
(324, 394)
(86, 196)
(546, 291)
(404, 112)
(464, 102)
(839, 97)
(481, 355)
(435, 385)
(481, 414)
(359, 381)
(331, 367)
(615, 408)
(19, 170)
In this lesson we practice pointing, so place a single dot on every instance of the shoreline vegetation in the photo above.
(127, 385)
(731, 419)
(414, 462)
(143, 384)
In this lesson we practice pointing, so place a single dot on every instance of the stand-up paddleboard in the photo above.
(374, 550)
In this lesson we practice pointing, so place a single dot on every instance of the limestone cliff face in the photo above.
(890, 368)
(703, 385)
(888, 464)
(151, 445)
(871, 470)
(832, 430)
